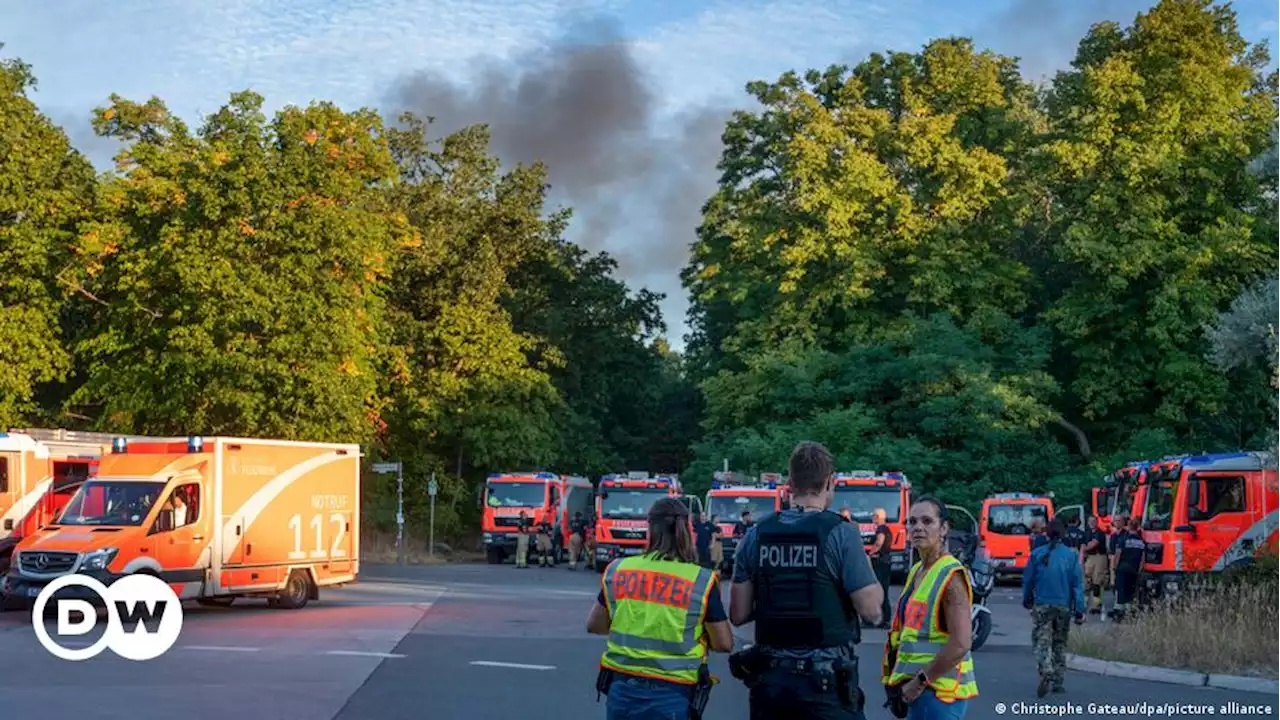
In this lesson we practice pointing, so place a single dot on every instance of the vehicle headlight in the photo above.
(99, 559)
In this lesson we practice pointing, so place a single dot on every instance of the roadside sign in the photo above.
(432, 487)
(387, 467)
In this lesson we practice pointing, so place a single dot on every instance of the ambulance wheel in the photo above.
(296, 592)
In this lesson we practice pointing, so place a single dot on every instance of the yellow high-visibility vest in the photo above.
(917, 636)
(657, 608)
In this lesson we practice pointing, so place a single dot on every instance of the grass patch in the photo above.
(381, 548)
(1229, 627)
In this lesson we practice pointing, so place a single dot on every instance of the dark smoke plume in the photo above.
(635, 181)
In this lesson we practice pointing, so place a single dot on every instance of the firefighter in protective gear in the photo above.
(545, 556)
(577, 536)
(662, 612)
(927, 663)
(522, 540)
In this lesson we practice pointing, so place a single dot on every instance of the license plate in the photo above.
(33, 592)
(631, 551)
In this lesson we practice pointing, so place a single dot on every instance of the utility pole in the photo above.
(432, 488)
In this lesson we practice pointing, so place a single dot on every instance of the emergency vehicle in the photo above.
(1116, 496)
(1004, 528)
(622, 512)
(40, 470)
(861, 492)
(1207, 513)
(540, 496)
(732, 494)
(217, 518)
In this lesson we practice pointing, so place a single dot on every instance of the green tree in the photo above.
(235, 273)
(45, 190)
(855, 196)
(1243, 345)
(1152, 209)
(620, 385)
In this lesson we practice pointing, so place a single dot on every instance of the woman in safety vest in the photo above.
(927, 665)
(661, 612)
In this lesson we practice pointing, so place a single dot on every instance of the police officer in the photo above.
(644, 603)
(804, 578)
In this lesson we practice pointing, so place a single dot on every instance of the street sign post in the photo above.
(386, 468)
(432, 488)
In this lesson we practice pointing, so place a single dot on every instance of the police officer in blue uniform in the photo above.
(804, 578)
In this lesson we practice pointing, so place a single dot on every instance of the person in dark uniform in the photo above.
(880, 562)
(1075, 535)
(803, 577)
(741, 527)
(702, 531)
(577, 538)
(1129, 549)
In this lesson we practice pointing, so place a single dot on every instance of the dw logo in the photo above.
(144, 617)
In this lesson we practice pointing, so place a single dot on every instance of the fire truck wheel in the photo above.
(493, 555)
(296, 592)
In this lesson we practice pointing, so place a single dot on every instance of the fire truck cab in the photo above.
(1004, 528)
(622, 512)
(732, 494)
(1205, 514)
(1117, 494)
(540, 496)
(861, 492)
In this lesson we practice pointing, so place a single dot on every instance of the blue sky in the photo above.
(694, 56)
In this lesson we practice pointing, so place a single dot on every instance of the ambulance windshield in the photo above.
(107, 502)
(629, 504)
(515, 494)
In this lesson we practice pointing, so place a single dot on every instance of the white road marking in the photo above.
(361, 653)
(518, 666)
(221, 648)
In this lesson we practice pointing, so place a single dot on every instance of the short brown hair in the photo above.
(810, 467)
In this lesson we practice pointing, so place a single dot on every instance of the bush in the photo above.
(1229, 626)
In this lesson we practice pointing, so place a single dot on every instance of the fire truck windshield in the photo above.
(1159, 513)
(629, 503)
(862, 500)
(516, 494)
(1124, 504)
(102, 502)
(730, 507)
(1015, 519)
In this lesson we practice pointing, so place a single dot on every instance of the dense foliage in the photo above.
(926, 263)
(922, 260)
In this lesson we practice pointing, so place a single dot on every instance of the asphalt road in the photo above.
(464, 642)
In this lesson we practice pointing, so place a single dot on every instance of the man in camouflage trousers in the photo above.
(1053, 589)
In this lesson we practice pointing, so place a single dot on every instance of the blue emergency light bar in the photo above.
(119, 445)
(195, 444)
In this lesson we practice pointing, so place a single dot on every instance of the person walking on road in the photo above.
(1053, 590)
(577, 538)
(661, 613)
(927, 664)
(522, 540)
(1097, 569)
(1129, 549)
(880, 562)
(803, 577)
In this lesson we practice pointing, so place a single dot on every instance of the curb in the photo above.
(1190, 678)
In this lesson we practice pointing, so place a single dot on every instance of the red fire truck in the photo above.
(731, 494)
(622, 511)
(862, 493)
(539, 495)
